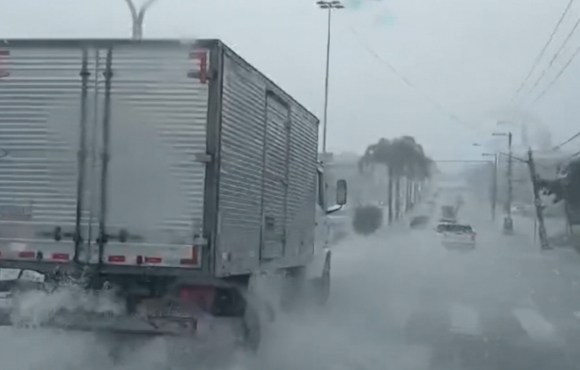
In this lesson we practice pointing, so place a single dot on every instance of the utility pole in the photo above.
(493, 195)
(329, 6)
(538, 203)
(138, 16)
(494, 188)
(508, 224)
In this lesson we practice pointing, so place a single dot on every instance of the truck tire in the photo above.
(293, 288)
(321, 285)
(251, 329)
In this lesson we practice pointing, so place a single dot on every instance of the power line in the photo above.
(407, 82)
(549, 86)
(569, 158)
(555, 56)
(575, 155)
(543, 51)
(566, 141)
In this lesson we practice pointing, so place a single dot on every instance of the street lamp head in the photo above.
(499, 134)
(476, 144)
(333, 4)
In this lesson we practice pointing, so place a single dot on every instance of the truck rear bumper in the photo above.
(194, 329)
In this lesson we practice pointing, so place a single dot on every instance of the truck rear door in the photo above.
(275, 176)
(102, 153)
(153, 132)
(45, 96)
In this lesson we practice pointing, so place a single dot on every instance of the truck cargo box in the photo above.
(150, 157)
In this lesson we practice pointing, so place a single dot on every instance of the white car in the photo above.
(456, 235)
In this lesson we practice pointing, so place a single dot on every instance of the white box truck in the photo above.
(170, 171)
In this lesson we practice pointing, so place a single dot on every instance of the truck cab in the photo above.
(317, 271)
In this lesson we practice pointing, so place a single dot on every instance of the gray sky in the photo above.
(468, 55)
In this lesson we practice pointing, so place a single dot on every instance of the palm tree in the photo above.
(398, 161)
(403, 158)
(416, 167)
(379, 153)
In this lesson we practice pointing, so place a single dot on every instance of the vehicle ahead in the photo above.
(169, 172)
(419, 221)
(448, 220)
(456, 235)
(340, 224)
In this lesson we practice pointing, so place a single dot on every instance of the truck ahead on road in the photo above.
(168, 172)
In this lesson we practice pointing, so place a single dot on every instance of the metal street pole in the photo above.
(509, 175)
(325, 122)
(538, 203)
(329, 6)
(138, 16)
(508, 225)
(494, 188)
(493, 197)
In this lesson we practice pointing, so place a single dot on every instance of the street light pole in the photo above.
(493, 182)
(538, 203)
(509, 177)
(329, 6)
(508, 225)
(138, 16)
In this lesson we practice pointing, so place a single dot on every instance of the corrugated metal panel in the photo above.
(39, 141)
(275, 177)
(302, 189)
(242, 174)
(158, 126)
(241, 157)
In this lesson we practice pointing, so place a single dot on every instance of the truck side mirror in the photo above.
(341, 192)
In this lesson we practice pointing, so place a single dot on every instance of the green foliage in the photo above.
(403, 156)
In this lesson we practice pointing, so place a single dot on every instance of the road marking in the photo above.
(534, 324)
(465, 320)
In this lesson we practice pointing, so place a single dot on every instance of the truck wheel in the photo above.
(251, 329)
(292, 289)
(322, 285)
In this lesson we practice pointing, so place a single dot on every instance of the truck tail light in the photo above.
(194, 257)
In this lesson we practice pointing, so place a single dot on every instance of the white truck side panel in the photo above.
(267, 174)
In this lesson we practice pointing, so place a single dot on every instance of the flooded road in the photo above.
(400, 300)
